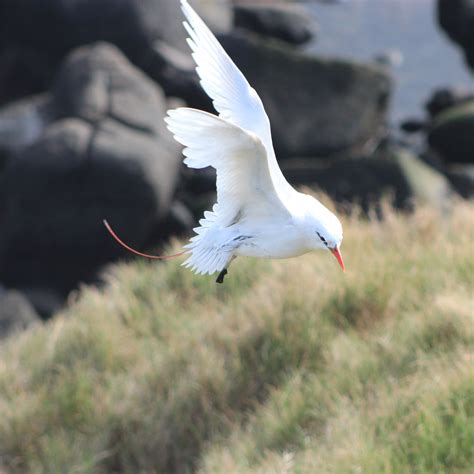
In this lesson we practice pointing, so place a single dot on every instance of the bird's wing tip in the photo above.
(185, 5)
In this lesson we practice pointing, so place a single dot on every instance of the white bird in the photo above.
(258, 213)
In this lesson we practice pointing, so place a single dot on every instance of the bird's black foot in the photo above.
(220, 277)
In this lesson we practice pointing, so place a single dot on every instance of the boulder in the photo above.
(131, 25)
(461, 178)
(47, 30)
(287, 22)
(97, 82)
(451, 134)
(427, 186)
(456, 17)
(109, 156)
(317, 106)
(179, 221)
(23, 122)
(412, 125)
(445, 98)
(16, 313)
(59, 190)
(24, 71)
(46, 301)
(163, 19)
(395, 173)
(175, 71)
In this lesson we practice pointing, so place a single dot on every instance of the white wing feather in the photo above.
(244, 185)
(233, 97)
(245, 189)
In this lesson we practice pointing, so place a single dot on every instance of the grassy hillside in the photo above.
(290, 366)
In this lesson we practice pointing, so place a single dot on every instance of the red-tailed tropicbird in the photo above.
(258, 213)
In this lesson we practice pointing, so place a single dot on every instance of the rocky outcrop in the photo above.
(286, 22)
(445, 98)
(456, 17)
(395, 174)
(131, 25)
(461, 178)
(451, 133)
(448, 133)
(317, 107)
(175, 71)
(93, 143)
(108, 155)
(36, 35)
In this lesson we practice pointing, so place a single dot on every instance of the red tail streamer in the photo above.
(136, 252)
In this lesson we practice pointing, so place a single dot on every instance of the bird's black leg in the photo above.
(220, 277)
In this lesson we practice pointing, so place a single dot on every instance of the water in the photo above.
(362, 29)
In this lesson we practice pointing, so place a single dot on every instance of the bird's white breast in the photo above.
(273, 242)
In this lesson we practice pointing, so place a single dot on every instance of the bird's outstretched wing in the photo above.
(244, 185)
(232, 96)
(245, 189)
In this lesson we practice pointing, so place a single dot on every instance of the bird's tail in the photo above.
(136, 252)
(209, 254)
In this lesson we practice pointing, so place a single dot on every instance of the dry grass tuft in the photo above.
(290, 366)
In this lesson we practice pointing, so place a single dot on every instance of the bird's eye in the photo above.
(322, 238)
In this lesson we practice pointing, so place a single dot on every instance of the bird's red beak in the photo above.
(335, 251)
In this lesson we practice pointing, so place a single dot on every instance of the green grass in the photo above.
(290, 366)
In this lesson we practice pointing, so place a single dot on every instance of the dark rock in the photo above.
(59, 190)
(179, 222)
(461, 178)
(46, 301)
(47, 30)
(197, 190)
(24, 71)
(413, 125)
(16, 313)
(396, 174)
(218, 15)
(316, 106)
(199, 181)
(289, 22)
(427, 185)
(23, 122)
(443, 99)
(98, 82)
(4, 157)
(175, 71)
(456, 17)
(113, 159)
(452, 134)
(57, 26)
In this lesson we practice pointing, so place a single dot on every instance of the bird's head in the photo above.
(324, 231)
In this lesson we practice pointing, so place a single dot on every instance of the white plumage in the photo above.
(257, 212)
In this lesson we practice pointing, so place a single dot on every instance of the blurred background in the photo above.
(366, 99)
(371, 104)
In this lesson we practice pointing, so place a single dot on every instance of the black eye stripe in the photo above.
(322, 238)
